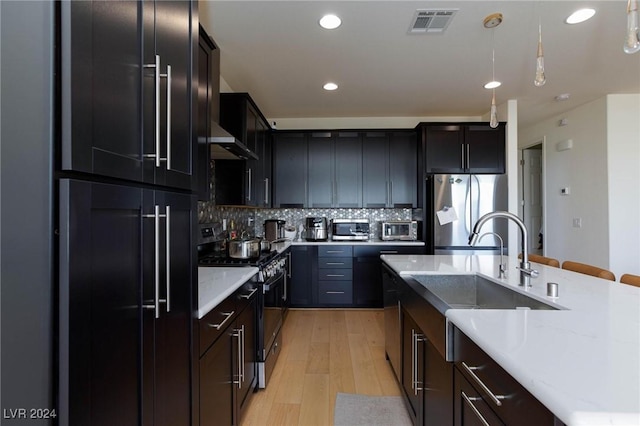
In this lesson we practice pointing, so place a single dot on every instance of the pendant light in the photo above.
(540, 78)
(632, 42)
(491, 22)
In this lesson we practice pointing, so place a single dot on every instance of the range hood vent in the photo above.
(225, 146)
(431, 21)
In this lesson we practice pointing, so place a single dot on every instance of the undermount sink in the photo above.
(475, 292)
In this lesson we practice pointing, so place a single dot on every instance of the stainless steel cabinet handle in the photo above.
(335, 251)
(227, 315)
(495, 398)
(462, 156)
(334, 292)
(416, 338)
(249, 184)
(335, 275)
(289, 263)
(167, 213)
(388, 251)
(266, 191)
(156, 233)
(390, 192)
(168, 77)
(468, 163)
(238, 333)
(335, 263)
(473, 407)
(248, 296)
(156, 85)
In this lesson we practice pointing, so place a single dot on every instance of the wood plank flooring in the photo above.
(324, 352)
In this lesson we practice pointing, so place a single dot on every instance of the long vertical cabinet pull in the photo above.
(468, 164)
(156, 84)
(266, 192)
(168, 77)
(238, 333)
(416, 338)
(168, 255)
(156, 270)
(243, 360)
(462, 156)
(249, 184)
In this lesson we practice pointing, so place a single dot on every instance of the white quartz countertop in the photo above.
(582, 362)
(217, 283)
(358, 243)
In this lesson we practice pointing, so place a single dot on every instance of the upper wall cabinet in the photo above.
(240, 116)
(464, 148)
(127, 94)
(390, 169)
(335, 169)
(290, 166)
(208, 108)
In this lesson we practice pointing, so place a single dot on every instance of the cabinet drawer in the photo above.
(485, 375)
(335, 274)
(335, 292)
(335, 262)
(245, 294)
(377, 250)
(214, 323)
(335, 251)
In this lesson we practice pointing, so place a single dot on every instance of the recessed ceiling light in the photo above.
(580, 16)
(330, 22)
(562, 97)
(492, 84)
(330, 86)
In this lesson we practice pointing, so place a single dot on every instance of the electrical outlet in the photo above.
(577, 222)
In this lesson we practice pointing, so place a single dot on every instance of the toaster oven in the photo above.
(399, 230)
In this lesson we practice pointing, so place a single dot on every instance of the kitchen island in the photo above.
(582, 361)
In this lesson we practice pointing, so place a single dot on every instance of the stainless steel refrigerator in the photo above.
(458, 201)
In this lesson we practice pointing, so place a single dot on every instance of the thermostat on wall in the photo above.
(564, 145)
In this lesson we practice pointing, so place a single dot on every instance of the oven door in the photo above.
(272, 311)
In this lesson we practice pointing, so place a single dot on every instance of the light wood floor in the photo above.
(324, 352)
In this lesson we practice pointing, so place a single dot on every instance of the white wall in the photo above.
(601, 171)
(623, 157)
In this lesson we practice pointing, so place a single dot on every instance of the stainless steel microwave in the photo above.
(399, 230)
(350, 229)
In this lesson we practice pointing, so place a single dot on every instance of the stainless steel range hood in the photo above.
(225, 146)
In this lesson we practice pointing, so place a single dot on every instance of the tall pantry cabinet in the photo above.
(127, 211)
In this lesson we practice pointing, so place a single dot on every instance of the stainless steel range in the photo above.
(272, 270)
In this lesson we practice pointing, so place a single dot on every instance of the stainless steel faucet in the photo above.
(525, 267)
(503, 266)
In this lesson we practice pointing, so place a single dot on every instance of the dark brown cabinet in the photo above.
(127, 94)
(335, 275)
(335, 170)
(208, 109)
(484, 389)
(367, 272)
(389, 165)
(300, 294)
(464, 148)
(125, 295)
(245, 182)
(290, 167)
(228, 358)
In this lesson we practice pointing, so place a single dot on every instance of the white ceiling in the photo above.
(276, 51)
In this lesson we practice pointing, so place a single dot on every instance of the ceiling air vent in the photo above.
(431, 21)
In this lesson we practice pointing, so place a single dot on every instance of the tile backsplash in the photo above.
(252, 219)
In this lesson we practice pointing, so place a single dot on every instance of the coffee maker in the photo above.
(316, 228)
(273, 229)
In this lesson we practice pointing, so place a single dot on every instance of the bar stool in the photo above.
(583, 268)
(543, 260)
(630, 279)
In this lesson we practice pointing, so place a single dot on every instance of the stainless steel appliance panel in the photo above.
(471, 196)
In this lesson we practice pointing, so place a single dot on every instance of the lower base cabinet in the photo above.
(228, 367)
(486, 394)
